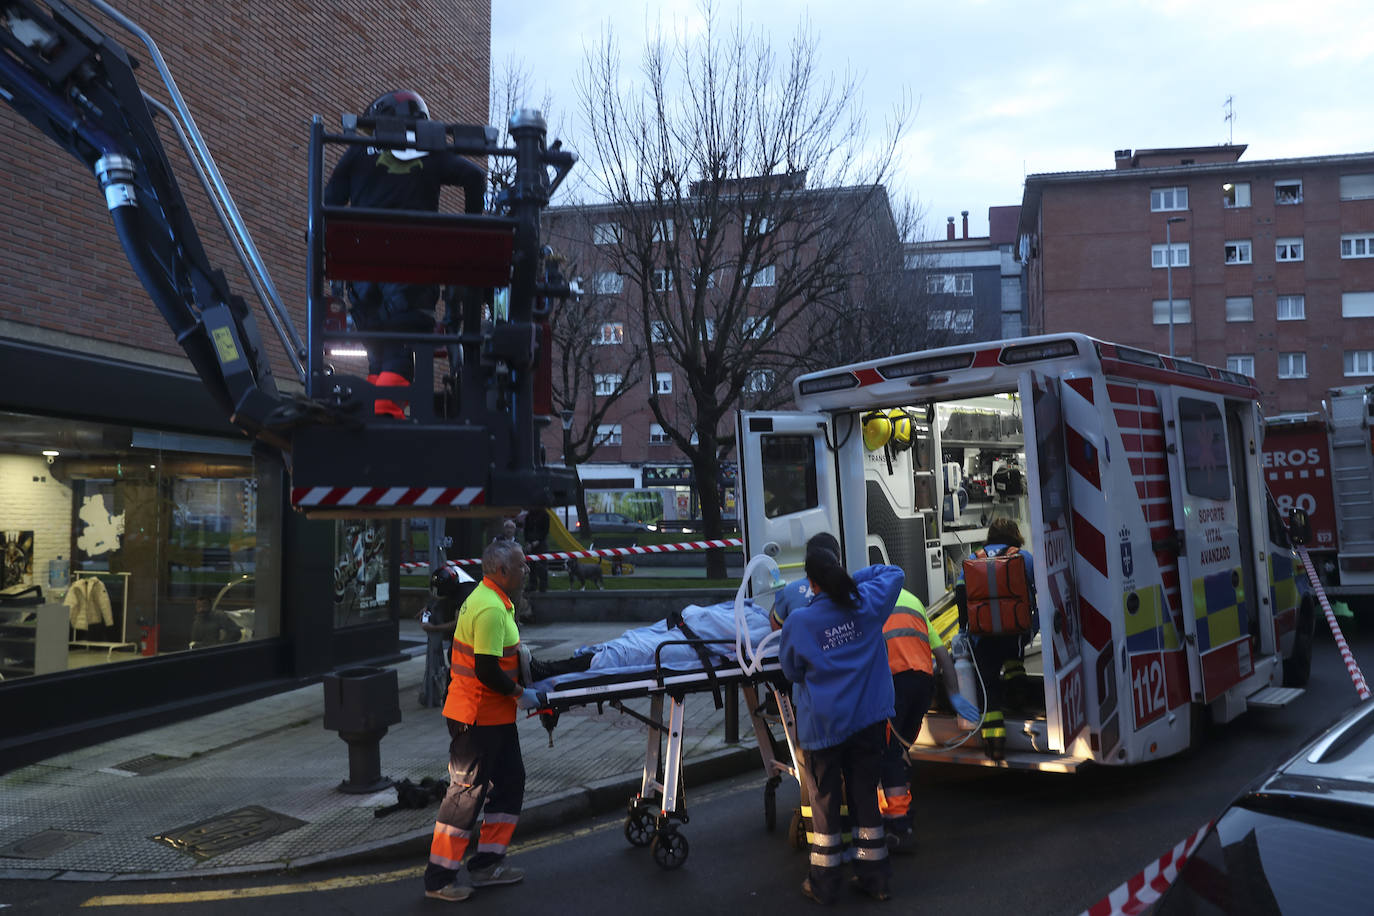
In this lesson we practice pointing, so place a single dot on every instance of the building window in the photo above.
(1244, 363)
(608, 283)
(1359, 362)
(605, 233)
(1238, 252)
(696, 279)
(608, 434)
(663, 383)
(607, 383)
(1292, 365)
(663, 230)
(1292, 308)
(1240, 308)
(1357, 305)
(764, 276)
(1168, 199)
(1235, 195)
(611, 332)
(1288, 192)
(1289, 249)
(1011, 325)
(658, 332)
(957, 320)
(1357, 187)
(662, 280)
(1183, 311)
(764, 224)
(1159, 255)
(1357, 245)
(759, 381)
(658, 435)
(756, 327)
(950, 284)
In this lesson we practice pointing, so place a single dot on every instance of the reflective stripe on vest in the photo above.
(471, 701)
(908, 641)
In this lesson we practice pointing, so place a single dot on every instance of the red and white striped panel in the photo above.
(371, 497)
(683, 547)
(1141, 421)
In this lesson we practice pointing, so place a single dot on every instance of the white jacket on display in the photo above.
(88, 603)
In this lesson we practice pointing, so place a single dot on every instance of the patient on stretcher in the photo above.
(634, 650)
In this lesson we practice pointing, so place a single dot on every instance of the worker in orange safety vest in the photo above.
(912, 648)
(486, 771)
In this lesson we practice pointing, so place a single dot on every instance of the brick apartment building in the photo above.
(1272, 270)
(976, 286)
(634, 450)
(149, 489)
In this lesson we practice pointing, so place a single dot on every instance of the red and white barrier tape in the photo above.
(1144, 888)
(684, 547)
(1356, 675)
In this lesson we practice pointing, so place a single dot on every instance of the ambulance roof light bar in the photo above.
(1029, 353)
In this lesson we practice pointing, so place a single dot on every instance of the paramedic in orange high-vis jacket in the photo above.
(486, 773)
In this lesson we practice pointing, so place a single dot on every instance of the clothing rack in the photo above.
(126, 638)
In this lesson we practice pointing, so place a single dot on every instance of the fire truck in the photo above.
(469, 444)
(1322, 463)
(1168, 593)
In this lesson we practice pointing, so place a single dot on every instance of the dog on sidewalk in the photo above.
(584, 573)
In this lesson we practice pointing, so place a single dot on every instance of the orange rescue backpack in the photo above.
(998, 593)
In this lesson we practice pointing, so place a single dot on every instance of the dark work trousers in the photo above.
(438, 652)
(989, 654)
(911, 691)
(486, 778)
(848, 772)
(392, 307)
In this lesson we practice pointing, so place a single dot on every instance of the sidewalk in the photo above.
(267, 773)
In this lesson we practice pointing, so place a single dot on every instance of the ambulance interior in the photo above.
(967, 461)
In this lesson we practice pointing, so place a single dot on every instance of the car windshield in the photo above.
(1255, 862)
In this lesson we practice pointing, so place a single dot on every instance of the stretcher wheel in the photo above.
(639, 827)
(770, 806)
(669, 849)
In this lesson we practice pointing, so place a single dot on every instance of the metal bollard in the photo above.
(361, 704)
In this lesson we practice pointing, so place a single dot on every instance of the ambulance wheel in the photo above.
(639, 827)
(1297, 668)
(770, 807)
(796, 831)
(669, 849)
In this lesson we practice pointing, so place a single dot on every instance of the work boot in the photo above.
(810, 893)
(995, 748)
(453, 892)
(384, 407)
(500, 873)
(901, 843)
(878, 891)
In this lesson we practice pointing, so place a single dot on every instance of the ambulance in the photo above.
(1168, 594)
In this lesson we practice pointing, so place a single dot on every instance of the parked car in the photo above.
(605, 522)
(1299, 840)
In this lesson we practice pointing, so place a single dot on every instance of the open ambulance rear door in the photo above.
(789, 488)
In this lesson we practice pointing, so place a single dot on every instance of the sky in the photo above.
(1007, 89)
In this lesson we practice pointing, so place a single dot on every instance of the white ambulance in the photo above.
(1168, 593)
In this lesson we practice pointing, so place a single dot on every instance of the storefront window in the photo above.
(142, 542)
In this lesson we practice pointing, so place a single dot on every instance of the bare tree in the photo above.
(739, 182)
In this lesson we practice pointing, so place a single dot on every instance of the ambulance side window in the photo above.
(789, 474)
(1204, 449)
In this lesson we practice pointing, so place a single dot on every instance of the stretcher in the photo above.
(654, 813)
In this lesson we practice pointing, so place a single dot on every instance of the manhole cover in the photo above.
(228, 831)
(150, 763)
(44, 844)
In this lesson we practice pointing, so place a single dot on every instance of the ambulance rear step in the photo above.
(1273, 697)
(1016, 760)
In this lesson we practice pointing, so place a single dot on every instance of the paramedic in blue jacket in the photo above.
(834, 654)
(798, 592)
(999, 657)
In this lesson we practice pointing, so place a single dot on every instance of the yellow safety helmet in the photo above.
(877, 430)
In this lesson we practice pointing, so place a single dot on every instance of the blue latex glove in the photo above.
(531, 699)
(964, 708)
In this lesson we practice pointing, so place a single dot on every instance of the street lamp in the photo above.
(567, 418)
(1169, 265)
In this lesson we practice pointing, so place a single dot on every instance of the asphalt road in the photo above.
(992, 842)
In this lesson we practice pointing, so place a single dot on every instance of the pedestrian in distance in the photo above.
(834, 654)
(486, 769)
(388, 179)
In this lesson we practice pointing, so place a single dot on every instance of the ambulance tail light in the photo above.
(828, 383)
(930, 365)
(1030, 353)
